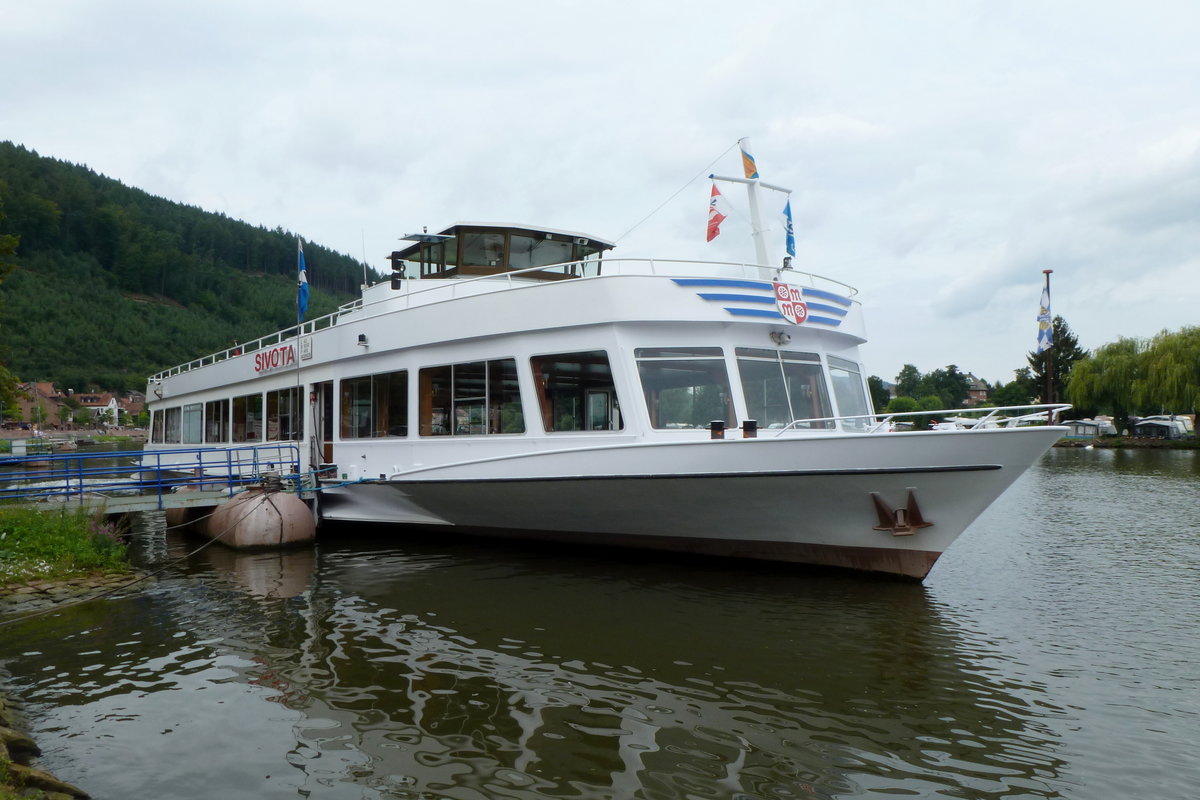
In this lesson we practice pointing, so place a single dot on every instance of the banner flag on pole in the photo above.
(748, 161)
(789, 231)
(302, 292)
(1045, 338)
(716, 205)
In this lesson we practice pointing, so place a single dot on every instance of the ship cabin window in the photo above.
(474, 398)
(374, 406)
(247, 418)
(783, 385)
(576, 392)
(193, 423)
(849, 391)
(173, 425)
(156, 427)
(469, 250)
(216, 421)
(285, 419)
(685, 387)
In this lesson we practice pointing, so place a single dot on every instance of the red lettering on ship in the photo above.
(275, 358)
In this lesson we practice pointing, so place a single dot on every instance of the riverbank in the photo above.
(18, 779)
(1132, 442)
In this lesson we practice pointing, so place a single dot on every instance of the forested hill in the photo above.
(112, 284)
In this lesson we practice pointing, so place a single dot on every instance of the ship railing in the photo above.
(940, 419)
(151, 474)
(423, 292)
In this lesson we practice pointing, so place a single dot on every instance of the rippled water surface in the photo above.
(1052, 653)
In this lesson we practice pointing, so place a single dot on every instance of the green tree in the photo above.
(902, 405)
(951, 386)
(1019, 391)
(1105, 379)
(880, 396)
(1170, 377)
(1062, 354)
(908, 381)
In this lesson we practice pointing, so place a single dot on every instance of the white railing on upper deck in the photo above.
(442, 289)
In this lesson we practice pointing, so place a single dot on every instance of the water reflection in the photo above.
(471, 671)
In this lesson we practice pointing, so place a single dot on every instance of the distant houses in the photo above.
(45, 407)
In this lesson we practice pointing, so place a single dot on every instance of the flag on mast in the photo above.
(1045, 338)
(302, 292)
(716, 206)
(789, 231)
(747, 160)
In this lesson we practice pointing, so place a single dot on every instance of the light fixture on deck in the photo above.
(362, 340)
(780, 338)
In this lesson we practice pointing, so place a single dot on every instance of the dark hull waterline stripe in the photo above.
(805, 473)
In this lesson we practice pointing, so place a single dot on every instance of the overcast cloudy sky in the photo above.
(942, 154)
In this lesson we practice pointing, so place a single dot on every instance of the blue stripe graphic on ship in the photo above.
(824, 320)
(754, 312)
(726, 283)
(841, 312)
(738, 298)
(837, 298)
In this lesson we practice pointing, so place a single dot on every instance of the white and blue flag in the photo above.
(1045, 330)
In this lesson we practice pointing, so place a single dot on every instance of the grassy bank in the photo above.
(43, 545)
(1191, 443)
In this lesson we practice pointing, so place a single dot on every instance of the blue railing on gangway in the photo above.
(148, 473)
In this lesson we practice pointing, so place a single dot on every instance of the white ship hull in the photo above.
(573, 403)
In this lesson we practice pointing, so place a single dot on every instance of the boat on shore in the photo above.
(519, 381)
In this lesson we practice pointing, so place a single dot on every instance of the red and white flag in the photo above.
(716, 212)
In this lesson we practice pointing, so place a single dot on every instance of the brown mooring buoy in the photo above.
(261, 518)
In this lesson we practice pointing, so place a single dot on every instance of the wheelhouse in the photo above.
(471, 249)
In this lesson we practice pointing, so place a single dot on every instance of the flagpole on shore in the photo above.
(1049, 347)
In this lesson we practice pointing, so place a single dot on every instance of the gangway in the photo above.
(136, 480)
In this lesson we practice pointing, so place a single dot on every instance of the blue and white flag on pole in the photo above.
(788, 230)
(1045, 330)
(302, 293)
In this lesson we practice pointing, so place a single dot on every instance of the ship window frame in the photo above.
(381, 412)
(173, 425)
(449, 402)
(192, 424)
(852, 390)
(561, 399)
(806, 374)
(216, 421)
(250, 427)
(284, 415)
(660, 370)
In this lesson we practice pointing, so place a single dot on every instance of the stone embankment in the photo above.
(17, 777)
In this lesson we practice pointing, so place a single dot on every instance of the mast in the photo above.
(758, 229)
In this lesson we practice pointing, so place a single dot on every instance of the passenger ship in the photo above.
(520, 381)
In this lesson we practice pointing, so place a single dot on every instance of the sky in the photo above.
(941, 154)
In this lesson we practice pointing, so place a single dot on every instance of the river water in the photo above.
(1053, 652)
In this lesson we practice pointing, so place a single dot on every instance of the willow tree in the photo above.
(1105, 379)
(1170, 379)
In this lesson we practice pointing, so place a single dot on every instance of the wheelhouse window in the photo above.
(781, 386)
(849, 391)
(685, 387)
(375, 406)
(285, 420)
(473, 398)
(483, 249)
(216, 421)
(576, 392)
(193, 423)
(247, 418)
(156, 427)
